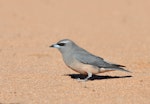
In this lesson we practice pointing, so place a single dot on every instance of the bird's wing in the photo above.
(88, 58)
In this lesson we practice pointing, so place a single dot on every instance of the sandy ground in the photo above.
(33, 73)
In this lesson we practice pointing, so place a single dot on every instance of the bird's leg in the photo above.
(89, 76)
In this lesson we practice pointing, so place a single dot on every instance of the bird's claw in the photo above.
(81, 80)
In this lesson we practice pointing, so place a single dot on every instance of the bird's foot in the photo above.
(86, 79)
(82, 80)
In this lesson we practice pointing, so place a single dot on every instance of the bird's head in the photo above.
(64, 45)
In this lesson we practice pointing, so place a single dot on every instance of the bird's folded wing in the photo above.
(88, 58)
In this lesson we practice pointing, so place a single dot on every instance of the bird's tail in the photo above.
(119, 67)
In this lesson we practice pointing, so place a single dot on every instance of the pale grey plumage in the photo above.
(75, 56)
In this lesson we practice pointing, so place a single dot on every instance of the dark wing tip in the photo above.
(118, 65)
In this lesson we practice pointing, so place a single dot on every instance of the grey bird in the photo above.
(83, 61)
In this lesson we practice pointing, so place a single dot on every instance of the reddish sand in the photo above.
(33, 73)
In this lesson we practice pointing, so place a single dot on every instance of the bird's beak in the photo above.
(55, 46)
(52, 45)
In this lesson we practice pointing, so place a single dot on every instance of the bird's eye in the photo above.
(61, 44)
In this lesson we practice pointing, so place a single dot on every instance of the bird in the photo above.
(82, 61)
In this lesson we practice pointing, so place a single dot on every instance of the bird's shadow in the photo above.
(96, 77)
